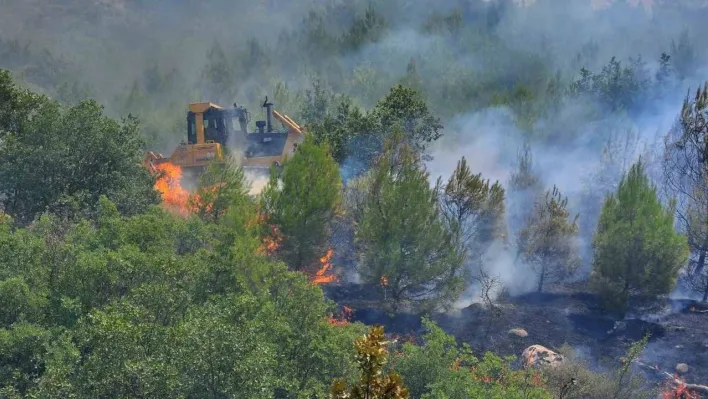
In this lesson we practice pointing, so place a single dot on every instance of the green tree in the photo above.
(637, 251)
(334, 119)
(684, 54)
(154, 305)
(373, 384)
(22, 350)
(525, 187)
(218, 75)
(20, 303)
(404, 237)
(616, 87)
(365, 29)
(222, 185)
(549, 240)
(406, 107)
(473, 207)
(64, 159)
(302, 201)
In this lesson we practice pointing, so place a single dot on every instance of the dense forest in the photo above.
(455, 154)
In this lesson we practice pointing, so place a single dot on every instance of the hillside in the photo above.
(475, 176)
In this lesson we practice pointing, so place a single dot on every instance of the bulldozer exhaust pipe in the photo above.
(269, 115)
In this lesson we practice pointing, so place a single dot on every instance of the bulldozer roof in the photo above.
(202, 107)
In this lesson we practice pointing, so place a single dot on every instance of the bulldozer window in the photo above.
(191, 129)
(215, 129)
(233, 124)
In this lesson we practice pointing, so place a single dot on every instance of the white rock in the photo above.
(682, 368)
(519, 332)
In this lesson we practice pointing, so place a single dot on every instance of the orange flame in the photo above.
(679, 391)
(196, 201)
(345, 317)
(271, 242)
(384, 281)
(174, 197)
(321, 276)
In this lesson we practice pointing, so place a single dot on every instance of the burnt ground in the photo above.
(563, 315)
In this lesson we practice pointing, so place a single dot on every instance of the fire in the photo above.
(679, 390)
(196, 201)
(384, 281)
(169, 185)
(271, 242)
(321, 276)
(345, 317)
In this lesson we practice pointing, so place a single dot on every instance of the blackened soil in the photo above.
(563, 315)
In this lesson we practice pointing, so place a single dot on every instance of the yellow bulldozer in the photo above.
(212, 130)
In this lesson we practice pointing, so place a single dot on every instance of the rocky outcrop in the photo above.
(537, 355)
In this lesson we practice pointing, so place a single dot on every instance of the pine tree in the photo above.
(405, 241)
(302, 201)
(637, 251)
(222, 185)
(474, 207)
(525, 187)
(548, 241)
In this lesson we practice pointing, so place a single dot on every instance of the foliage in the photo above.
(685, 162)
(574, 378)
(63, 159)
(365, 29)
(549, 240)
(616, 87)
(405, 240)
(524, 177)
(637, 251)
(218, 74)
(473, 208)
(333, 119)
(684, 54)
(221, 186)
(107, 296)
(442, 369)
(524, 187)
(182, 306)
(405, 107)
(371, 356)
(302, 201)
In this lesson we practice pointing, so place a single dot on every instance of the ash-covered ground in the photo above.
(563, 315)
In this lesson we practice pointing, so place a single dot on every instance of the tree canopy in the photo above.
(407, 246)
(61, 160)
(637, 251)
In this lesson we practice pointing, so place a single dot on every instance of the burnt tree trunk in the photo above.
(701, 261)
(541, 278)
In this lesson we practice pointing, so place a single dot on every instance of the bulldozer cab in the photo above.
(210, 123)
